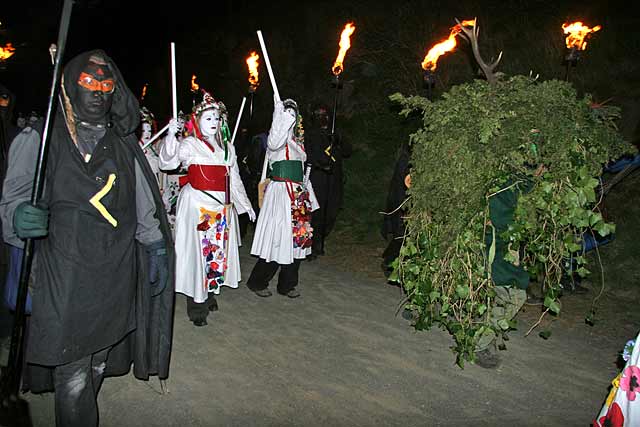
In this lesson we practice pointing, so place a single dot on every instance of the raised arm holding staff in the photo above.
(283, 234)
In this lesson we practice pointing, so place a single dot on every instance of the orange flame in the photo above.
(6, 52)
(430, 61)
(144, 91)
(345, 44)
(194, 86)
(577, 33)
(252, 63)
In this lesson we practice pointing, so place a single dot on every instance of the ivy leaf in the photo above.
(552, 304)
(583, 272)
(595, 218)
(481, 309)
(503, 324)
(433, 296)
(590, 194)
(462, 291)
(604, 229)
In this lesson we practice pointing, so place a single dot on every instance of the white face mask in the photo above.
(209, 123)
(291, 112)
(146, 132)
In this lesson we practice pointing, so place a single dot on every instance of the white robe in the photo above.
(190, 273)
(152, 158)
(273, 237)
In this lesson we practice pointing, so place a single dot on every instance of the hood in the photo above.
(125, 110)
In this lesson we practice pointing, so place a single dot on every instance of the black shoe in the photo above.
(264, 293)
(293, 293)
(407, 314)
(487, 359)
(213, 305)
(200, 322)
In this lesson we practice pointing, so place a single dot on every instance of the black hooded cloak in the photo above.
(91, 286)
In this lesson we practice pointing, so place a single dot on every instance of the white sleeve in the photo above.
(169, 155)
(280, 126)
(238, 193)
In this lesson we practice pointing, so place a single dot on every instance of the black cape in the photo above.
(141, 328)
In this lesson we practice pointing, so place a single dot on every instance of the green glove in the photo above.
(30, 221)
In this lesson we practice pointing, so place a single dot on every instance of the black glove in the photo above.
(158, 266)
(31, 221)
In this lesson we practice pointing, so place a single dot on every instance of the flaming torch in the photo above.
(430, 61)
(144, 92)
(254, 81)
(337, 69)
(195, 87)
(6, 52)
(575, 41)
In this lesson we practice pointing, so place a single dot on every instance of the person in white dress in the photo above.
(206, 234)
(283, 233)
(147, 130)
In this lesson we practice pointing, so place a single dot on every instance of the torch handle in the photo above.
(268, 63)
(335, 106)
(174, 92)
(235, 129)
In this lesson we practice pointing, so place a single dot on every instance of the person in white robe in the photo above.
(206, 233)
(283, 233)
(147, 130)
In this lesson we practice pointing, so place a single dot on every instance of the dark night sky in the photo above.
(213, 38)
(137, 34)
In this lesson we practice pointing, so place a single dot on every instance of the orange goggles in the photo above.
(88, 82)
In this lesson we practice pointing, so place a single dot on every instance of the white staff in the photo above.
(235, 129)
(174, 97)
(174, 100)
(268, 64)
(156, 136)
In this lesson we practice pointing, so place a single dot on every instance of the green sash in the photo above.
(287, 170)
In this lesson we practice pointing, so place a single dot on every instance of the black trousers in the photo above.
(200, 311)
(76, 390)
(264, 271)
(319, 230)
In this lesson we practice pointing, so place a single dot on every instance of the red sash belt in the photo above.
(206, 177)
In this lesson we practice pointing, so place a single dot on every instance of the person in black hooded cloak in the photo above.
(102, 292)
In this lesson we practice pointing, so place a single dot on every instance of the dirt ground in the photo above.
(341, 355)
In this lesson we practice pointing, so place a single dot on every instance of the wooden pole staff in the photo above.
(268, 64)
(235, 129)
(174, 97)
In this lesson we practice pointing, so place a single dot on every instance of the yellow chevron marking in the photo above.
(327, 151)
(95, 200)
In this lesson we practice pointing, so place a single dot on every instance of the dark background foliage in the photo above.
(213, 39)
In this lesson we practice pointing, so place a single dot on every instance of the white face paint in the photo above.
(146, 132)
(209, 123)
(291, 112)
